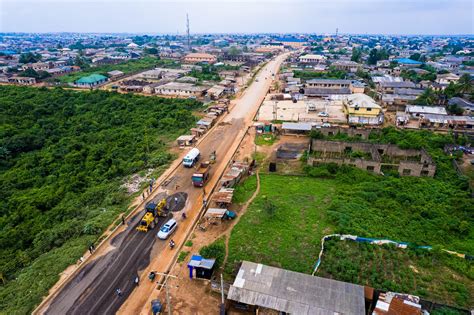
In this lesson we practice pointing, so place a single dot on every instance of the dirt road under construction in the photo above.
(129, 253)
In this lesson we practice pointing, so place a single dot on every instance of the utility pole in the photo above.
(165, 284)
(187, 32)
(337, 31)
(222, 296)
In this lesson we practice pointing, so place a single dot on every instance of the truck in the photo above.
(201, 176)
(153, 210)
(191, 158)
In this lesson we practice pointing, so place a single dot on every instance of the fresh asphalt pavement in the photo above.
(93, 289)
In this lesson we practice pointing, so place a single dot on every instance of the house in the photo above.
(466, 105)
(216, 91)
(388, 87)
(346, 65)
(408, 63)
(417, 110)
(362, 109)
(91, 81)
(400, 97)
(287, 292)
(327, 87)
(312, 59)
(200, 57)
(114, 74)
(180, 89)
(22, 80)
(446, 78)
(38, 66)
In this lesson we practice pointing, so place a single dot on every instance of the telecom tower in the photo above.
(187, 32)
(337, 31)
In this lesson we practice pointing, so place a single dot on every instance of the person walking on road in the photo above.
(123, 220)
(119, 292)
(136, 281)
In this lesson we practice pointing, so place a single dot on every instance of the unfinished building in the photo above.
(377, 158)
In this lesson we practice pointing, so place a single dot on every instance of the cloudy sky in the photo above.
(242, 16)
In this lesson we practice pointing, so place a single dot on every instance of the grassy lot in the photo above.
(268, 139)
(289, 237)
(284, 225)
(435, 276)
(126, 67)
(245, 190)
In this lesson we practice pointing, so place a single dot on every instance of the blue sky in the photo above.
(244, 16)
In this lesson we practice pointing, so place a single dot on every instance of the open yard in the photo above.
(284, 225)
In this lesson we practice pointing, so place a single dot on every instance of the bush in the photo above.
(215, 250)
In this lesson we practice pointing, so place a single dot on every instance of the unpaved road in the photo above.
(92, 290)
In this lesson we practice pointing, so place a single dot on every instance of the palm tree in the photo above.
(465, 84)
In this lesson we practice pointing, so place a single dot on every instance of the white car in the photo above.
(323, 114)
(167, 229)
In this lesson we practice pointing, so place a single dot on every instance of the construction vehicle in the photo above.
(153, 210)
(212, 157)
(201, 176)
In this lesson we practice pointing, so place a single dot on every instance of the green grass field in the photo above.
(435, 276)
(284, 225)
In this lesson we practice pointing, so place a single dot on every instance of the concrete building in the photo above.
(21, 80)
(346, 65)
(362, 109)
(180, 89)
(312, 59)
(200, 57)
(376, 158)
(91, 81)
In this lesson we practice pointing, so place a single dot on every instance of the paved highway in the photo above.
(92, 290)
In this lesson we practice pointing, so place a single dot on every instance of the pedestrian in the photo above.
(90, 249)
(123, 220)
(176, 187)
(93, 247)
(137, 281)
(151, 188)
(119, 292)
(204, 202)
(176, 200)
(143, 196)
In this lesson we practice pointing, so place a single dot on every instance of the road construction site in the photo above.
(91, 287)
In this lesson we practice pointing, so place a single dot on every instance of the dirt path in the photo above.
(226, 234)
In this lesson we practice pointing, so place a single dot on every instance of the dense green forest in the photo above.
(63, 156)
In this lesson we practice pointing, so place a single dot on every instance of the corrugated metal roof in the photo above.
(296, 126)
(295, 293)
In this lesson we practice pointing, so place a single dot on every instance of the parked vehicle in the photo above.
(191, 158)
(167, 229)
(201, 176)
(323, 114)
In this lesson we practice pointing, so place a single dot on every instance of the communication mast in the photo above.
(187, 32)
